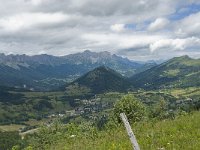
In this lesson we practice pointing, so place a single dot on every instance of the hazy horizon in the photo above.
(136, 60)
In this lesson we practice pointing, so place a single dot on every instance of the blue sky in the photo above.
(137, 29)
(185, 11)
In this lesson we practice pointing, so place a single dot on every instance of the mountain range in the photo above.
(177, 72)
(99, 72)
(46, 72)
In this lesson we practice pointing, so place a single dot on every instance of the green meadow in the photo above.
(181, 133)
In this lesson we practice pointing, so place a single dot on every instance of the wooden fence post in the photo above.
(130, 132)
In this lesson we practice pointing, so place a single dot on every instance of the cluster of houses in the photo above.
(86, 106)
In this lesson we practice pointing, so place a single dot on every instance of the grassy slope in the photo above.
(182, 133)
(177, 72)
(12, 127)
(181, 92)
(101, 80)
(28, 106)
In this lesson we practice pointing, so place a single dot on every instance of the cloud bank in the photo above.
(138, 29)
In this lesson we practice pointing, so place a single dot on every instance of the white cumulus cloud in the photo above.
(116, 41)
(27, 20)
(190, 25)
(158, 24)
(117, 27)
(175, 44)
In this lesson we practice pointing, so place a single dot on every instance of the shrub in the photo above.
(133, 108)
(9, 139)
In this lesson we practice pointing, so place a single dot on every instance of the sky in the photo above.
(138, 29)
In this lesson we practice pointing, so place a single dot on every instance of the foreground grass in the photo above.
(183, 133)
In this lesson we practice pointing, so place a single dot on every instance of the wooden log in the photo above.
(130, 132)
